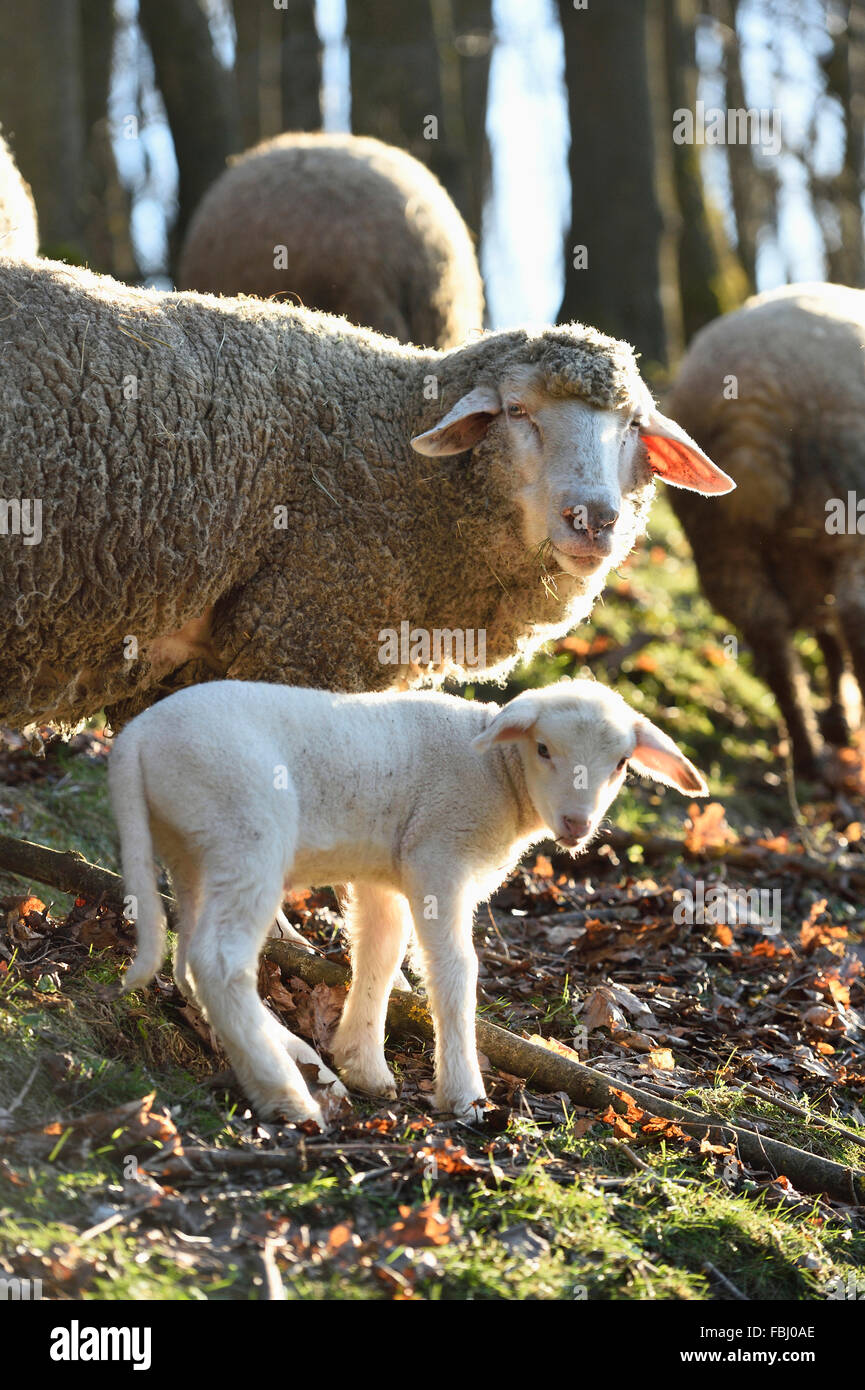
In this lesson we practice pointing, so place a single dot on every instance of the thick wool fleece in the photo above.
(775, 393)
(19, 234)
(367, 232)
(250, 463)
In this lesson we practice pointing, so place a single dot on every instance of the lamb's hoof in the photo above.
(292, 1112)
(470, 1111)
(370, 1083)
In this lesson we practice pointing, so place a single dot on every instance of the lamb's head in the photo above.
(576, 740)
(564, 419)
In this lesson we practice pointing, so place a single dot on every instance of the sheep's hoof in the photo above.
(834, 726)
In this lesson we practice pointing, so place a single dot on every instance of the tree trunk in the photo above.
(246, 70)
(472, 42)
(42, 112)
(699, 271)
(301, 53)
(748, 185)
(197, 93)
(839, 200)
(106, 211)
(612, 254)
(396, 88)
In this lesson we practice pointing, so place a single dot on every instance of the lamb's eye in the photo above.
(517, 411)
(621, 764)
(543, 751)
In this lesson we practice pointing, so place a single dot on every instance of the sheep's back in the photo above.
(368, 232)
(775, 394)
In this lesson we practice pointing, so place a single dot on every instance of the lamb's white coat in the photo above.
(422, 801)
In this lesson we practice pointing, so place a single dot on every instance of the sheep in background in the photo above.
(19, 233)
(230, 487)
(424, 801)
(342, 223)
(776, 393)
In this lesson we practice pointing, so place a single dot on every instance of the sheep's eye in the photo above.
(517, 411)
(622, 763)
(543, 751)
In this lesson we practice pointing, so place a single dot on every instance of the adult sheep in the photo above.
(341, 223)
(776, 392)
(241, 488)
(19, 233)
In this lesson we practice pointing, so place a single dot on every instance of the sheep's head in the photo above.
(576, 740)
(573, 431)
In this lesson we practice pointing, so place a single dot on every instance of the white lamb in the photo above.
(422, 801)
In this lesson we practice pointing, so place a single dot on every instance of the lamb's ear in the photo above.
(511, 724)
(657, 756)
(675, 457)
(463, 426)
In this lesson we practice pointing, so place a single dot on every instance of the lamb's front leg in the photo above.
(378, 925)
(443, 920)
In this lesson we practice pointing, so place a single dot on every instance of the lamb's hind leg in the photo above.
(378, 923)
(223, 959)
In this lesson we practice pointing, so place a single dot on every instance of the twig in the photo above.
(114, 1219)
(204, 1162)
(274, 1289)
(722, 1279)
(811, 1116)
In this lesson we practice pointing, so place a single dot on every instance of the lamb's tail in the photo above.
(144, 905)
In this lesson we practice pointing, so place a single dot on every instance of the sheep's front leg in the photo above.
(443, 921)
(378, 925)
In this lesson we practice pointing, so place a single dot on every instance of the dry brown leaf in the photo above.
(707, 828)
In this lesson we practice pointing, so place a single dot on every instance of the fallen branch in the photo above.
(740, 856)
(547, 1070)
(552, 1071)
(66, 870)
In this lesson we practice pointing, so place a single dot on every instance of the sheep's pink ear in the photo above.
(463, 426)
(675, 457)
(657, 756)
(512, 723)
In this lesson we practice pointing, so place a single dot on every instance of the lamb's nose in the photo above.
(591, 517)
(577, 826)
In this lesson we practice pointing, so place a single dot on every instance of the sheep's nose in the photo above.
(592, 517)
(577, 826)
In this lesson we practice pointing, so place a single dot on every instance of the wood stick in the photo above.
(545, 1069)
(66, 870)
(551, 1071)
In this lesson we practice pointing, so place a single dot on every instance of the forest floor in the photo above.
(543, 1199)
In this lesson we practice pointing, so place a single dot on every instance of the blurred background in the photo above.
(554, 124)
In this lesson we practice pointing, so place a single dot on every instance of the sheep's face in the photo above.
(576, 741)
(580, 475)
